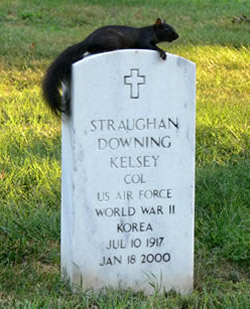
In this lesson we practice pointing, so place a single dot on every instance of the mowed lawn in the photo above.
(213, 34)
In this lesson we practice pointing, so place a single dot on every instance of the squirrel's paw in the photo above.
(163, 55)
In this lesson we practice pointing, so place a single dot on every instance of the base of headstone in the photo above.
(127, 218)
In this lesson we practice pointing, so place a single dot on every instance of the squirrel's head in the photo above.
(165, 32)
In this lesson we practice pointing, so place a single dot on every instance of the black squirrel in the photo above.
(104, 39)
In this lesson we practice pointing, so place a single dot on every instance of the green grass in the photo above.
(32, 33)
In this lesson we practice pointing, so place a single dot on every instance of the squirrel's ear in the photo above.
(158, 21)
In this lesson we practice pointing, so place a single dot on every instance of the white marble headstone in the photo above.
(128, 173)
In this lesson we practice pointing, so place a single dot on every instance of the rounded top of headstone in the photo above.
(146, 54)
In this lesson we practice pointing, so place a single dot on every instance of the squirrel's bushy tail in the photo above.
(59, 71)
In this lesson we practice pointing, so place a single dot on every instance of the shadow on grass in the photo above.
(222, 211)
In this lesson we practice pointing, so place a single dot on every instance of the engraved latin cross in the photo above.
(134, 80)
